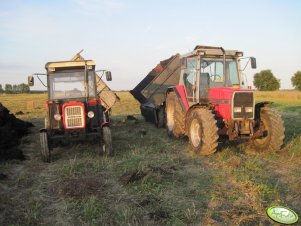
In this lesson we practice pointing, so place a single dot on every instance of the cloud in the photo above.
(99, 7)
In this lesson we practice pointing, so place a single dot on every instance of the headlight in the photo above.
(57, 116)
(90, 114)
(249, 109)
(237, 109)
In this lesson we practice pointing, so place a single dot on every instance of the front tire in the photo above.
(202, 131)
(45, 152)
(106, 144)
(270, 121)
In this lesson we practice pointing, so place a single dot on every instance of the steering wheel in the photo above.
(219, 77)
(216, 76)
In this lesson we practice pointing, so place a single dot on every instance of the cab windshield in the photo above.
(71, 84)
(214, 67)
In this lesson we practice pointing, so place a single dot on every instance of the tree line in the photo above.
(20, 88)
(266, 81)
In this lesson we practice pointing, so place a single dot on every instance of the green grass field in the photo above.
(152, 179)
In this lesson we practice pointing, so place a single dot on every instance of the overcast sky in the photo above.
(130, 37)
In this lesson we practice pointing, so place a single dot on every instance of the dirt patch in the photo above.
(3, 176)
(136, 175)
(131, 118)
(149, 200)
(163, 170)
(159, 214)
(82, 187)
(132, 176)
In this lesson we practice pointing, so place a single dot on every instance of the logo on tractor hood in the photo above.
(282, 215)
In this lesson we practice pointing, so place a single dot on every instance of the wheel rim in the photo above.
(170, 119)
(195, 133)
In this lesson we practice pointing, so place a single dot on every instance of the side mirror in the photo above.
(30, 80)
(108, 76)
(253, 62)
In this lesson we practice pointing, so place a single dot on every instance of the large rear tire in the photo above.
(270, 121)
(202, 131)
(106, 144)
(45, 152)
(175, 116)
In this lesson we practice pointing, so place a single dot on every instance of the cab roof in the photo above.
(52, 66)
(212, 50)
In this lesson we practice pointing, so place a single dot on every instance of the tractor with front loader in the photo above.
(201, 95)
(78, 105)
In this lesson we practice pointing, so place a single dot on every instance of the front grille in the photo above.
(74, 117)
(243, 100)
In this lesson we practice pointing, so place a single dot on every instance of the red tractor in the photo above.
(201, 95)
(74, 108)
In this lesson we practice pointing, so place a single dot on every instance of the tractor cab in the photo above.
(73, 108)
(71, 80)
(210, 70)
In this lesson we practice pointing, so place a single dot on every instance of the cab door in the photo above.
(190, 80)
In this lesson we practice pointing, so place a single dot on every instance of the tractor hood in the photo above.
(222, 100)
(224, 93)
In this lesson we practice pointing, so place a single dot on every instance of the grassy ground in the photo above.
(152, 179)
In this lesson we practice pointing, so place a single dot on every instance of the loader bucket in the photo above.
(153, 87)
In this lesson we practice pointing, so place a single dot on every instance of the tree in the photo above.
(15, 89)
(1, 89)
(23, 88)
(266, 81)
(8, 88)
(296, 80)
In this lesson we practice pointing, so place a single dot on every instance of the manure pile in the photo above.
(11, 131)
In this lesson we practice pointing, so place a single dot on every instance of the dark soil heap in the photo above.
(11, 130)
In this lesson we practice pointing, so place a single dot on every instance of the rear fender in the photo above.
(179, 90)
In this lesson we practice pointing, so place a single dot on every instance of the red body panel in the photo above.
(221, 99)
(181, 93)
(73, 103)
